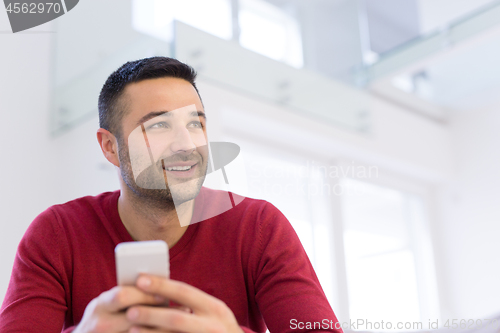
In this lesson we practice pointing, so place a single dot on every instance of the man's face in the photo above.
(163, 148)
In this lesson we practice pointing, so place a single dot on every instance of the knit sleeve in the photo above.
(246, 329)
(288, 292)
(36, 299)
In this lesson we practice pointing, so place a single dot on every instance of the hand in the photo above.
(209, 314)
(105, 313)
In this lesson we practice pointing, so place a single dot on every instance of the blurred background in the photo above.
(371, 124)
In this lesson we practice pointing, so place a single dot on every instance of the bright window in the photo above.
(381, 234)
(270, 31)
(288, 183)
(382, 251)
(155, 17)
(264, 28)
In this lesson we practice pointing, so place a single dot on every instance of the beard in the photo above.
(152, 185)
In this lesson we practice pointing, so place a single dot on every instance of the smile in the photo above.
(179, 168)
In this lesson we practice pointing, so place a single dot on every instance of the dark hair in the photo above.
(110, 110)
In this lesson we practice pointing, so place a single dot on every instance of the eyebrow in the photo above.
(154, 114)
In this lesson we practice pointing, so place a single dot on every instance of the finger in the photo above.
(179, 292)
(113, 322)
(121, 297)
(166, 319)
(139, 329)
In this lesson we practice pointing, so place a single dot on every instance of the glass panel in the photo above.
(300, 90)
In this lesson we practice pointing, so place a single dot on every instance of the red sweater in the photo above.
(249, 257)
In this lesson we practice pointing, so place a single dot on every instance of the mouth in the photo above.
(180, 170)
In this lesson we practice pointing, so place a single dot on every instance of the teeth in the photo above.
(179, 168)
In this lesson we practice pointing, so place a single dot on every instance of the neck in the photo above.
(144, 221)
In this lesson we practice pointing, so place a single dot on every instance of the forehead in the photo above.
(161, 94)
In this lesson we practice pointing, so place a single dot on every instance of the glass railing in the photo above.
(427, 46)
(85, 57)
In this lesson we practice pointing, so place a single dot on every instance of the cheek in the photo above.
(138, 152)
(199, 139)
(159, 144)
(203, 151)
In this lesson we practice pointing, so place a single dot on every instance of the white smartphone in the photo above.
(134, 258)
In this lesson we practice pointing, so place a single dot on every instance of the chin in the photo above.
(186, 191)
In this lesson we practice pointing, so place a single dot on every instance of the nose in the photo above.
(182, 142)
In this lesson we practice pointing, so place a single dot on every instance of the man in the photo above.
(237, 270)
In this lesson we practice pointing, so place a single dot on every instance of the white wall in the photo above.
(470, 229)
(38, 170)
(27, 176)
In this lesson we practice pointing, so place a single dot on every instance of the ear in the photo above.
(109, 146)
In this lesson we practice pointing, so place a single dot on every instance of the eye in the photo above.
(196, 124)
(160, 124)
